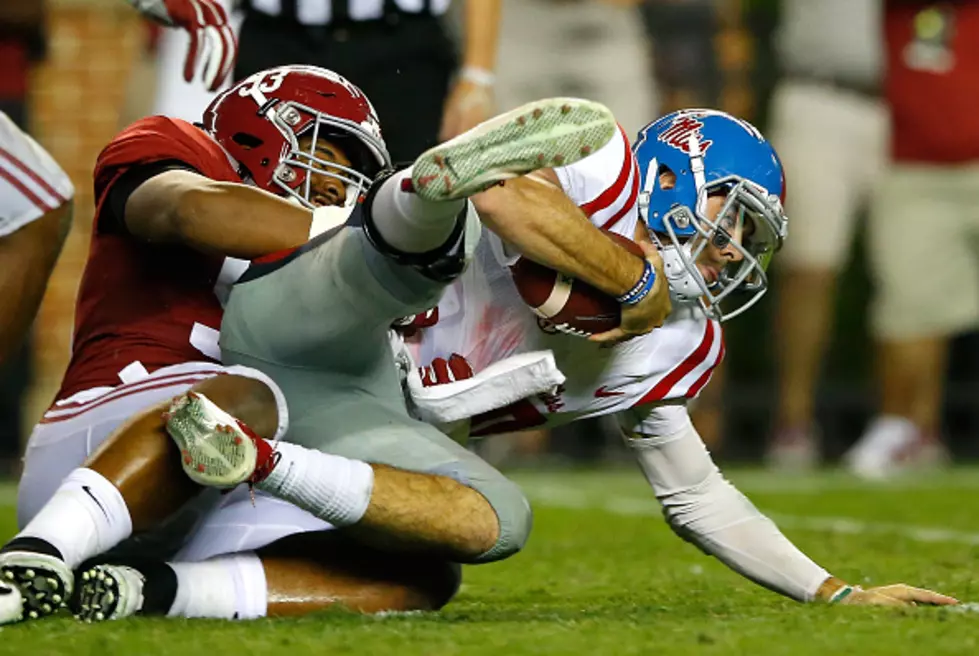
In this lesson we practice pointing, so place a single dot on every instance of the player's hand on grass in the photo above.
(897, 594)
(647, 314)
(836, 591)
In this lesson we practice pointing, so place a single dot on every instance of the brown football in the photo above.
(568, 305)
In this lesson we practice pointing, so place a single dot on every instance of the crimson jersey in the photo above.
(932, 75)
(154, 305)
(482, 317)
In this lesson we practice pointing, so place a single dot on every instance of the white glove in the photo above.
(211, 38)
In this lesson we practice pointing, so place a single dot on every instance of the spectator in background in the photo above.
(830, 128)
(398, 51)
(21, 44)
(924, 227)
(592, 49)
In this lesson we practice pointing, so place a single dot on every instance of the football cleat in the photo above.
(42, 582)
(216, 449)
(793, 449)
(541, 134)
(108, 592)
(892, 446)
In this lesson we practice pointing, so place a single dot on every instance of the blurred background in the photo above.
(801, 384)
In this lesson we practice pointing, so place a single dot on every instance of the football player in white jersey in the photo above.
(35, 215)
(708, 188)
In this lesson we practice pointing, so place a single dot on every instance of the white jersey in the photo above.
(31, 182)
(482, 317)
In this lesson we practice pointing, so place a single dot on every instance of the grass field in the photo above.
(604, 575)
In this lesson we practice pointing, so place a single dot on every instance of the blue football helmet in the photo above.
(710, 153)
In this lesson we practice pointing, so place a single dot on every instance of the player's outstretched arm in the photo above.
(706, 510)
(535, 215)
(223, 218)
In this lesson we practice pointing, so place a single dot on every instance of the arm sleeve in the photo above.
(113, 217)
(703, 508)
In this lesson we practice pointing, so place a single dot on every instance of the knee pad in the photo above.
(515, 516)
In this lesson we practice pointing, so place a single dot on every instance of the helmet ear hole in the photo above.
(246, 141)
(667, 178)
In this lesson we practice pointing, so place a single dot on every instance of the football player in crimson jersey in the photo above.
(35, 216)
(172, 217)
(711, 189)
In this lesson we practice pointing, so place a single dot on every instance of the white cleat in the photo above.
(891, 446)
(42, 582)
(541, 134)
(793, 450)
(109, 592)
(216, 449)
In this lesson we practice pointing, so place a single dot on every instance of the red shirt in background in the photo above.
(14, 67)
(932, 80)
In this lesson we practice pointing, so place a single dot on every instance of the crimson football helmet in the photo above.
(260, 120)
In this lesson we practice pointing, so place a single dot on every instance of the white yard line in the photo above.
(755, 481)
(553, 495)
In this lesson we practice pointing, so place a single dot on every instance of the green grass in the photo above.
(604, 575)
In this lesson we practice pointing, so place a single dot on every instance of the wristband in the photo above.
(841, 594)
(642, 288)
(480, 76)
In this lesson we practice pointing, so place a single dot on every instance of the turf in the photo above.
(604, 575)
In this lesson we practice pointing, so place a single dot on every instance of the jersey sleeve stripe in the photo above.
(607, 197)
(633, 195)
(24, 190)
(29, 172)
(696, 358)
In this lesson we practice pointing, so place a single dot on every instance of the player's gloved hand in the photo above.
(410, 325)
(443, 371)
(835, 591)
(211, 39)
(647, 314)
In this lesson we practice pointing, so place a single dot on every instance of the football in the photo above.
(568, 305)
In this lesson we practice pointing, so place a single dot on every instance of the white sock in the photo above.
(334, 488)
(225, 587)
(86, 516)
(410, 223)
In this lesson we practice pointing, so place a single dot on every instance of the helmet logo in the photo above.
(262, 83)
(678, 133)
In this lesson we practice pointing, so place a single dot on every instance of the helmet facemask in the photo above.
(294, 174)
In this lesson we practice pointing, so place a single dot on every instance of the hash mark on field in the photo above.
(567, 497)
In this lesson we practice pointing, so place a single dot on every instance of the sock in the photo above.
(86, 516)
(334, 488)
(408, 222)
(225, 587)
